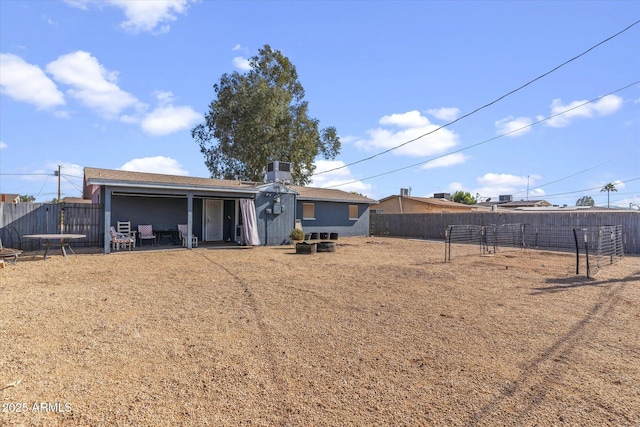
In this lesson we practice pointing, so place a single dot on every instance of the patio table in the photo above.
(55, 239)
(167, 234)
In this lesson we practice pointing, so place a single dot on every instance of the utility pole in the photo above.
(58, 175)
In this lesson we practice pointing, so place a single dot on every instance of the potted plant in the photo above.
(297, 235)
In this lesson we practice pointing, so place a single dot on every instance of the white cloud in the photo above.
(164, 97)
(25, 82)
(453, 187)
(92, 84)
(494, 184)
(3, 145)
(79, 4)
(628, 202)
(605, 106)
(158, 164)
(445, 113)
(513, 127)
(406, 127)
(446, 161)
(405, 120)
(619, 184)
(153, 16)
(340, 176)
(169, 119)
(241, 63)
(536, 193)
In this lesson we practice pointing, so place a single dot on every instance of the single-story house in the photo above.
(9, 198)
(506, 202)
(404, 203)
(224, 210)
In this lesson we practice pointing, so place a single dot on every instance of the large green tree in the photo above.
(608, 188)
(463, 197)
(585, 201)
(262, 116)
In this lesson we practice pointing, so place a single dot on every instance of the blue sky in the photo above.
(120, 84)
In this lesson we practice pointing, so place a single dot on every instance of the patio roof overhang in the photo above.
(173, 190)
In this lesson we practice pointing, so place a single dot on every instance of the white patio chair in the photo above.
(183, 230)
(120, 240)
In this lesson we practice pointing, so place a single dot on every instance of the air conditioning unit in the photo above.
(446, 196)
(405, 192)
(279, 171)
(506, 198)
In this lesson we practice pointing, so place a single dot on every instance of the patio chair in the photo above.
(183, 231)
(120, 240)
(145, 232)
(124, 227)
(10, 253)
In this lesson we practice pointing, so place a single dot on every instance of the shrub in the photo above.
(297, 234)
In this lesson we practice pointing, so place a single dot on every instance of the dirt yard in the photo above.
(380, 332)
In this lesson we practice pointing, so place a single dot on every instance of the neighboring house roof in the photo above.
(96, 176)
(572, 208)
(10, 198)
(430, 201)
(76, 200)
(525, 204)
(329, 194)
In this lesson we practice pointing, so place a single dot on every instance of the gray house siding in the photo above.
(333, 217)
(162, 213)
(275, 220)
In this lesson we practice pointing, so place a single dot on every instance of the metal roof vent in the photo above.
(279, 172)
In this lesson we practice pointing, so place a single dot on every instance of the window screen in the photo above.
(308, 211)
(353, 211)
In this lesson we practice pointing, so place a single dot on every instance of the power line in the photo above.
(71, 182)
(484, 106)
(43, 184)
(26, 174)
(572, 175)
(588, 189)
(485, 141)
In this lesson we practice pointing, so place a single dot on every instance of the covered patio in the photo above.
(211, 209)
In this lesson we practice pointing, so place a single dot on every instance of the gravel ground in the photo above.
(379, 332)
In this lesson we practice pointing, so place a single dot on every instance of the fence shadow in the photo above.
(568, 283)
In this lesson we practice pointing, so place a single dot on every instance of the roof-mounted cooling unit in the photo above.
(279, 172)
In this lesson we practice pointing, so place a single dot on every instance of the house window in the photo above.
(353, 211)
(308, 211)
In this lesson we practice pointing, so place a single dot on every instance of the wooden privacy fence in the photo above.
(434, 226)
(18, 219)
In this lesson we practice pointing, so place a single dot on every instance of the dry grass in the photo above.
(381, 332)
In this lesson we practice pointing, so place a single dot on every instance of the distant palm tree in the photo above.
(608, 188)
